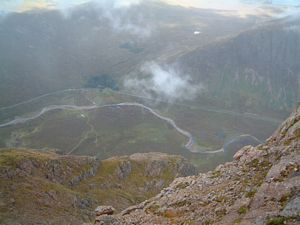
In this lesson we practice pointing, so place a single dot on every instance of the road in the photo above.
(23, 120)
(207, 109)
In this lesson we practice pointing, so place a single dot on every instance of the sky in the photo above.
(231, 4)
(18, 5)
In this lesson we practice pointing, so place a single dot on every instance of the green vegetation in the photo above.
(153, 209)
(216, 173)
(137, 184)
(208, 222)
(102, 81)
(276, 221)
(284, 200)
(250, 194)
(243, 210)
(237, 221)
(182, 185)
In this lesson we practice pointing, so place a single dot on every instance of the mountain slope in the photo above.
(44, 51)
(46, 188)
(256, 69)
(261, 186)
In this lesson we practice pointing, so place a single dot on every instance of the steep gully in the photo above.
(190, 145)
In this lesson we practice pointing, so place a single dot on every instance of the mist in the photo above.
(164, 83)
(116, 12)
(118, 15)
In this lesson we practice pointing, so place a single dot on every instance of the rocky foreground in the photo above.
(261, 186)
(46, 188)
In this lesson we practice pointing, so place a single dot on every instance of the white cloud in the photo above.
(117, 13)
(164, 83)
(124, 3)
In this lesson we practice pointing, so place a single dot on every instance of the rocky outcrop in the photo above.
(103, 214)
(65, 170)
(104, 210)
(156, 163)
(261, 186)
(124, 169)
(44, 186)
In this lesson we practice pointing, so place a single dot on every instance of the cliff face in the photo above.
(47, 188)
(261, 186)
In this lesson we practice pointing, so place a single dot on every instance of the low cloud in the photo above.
(121, 20)
(118, 13)
(118, 3)
(163, 83)
(16, 5)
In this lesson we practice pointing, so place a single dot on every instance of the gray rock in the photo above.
(155, 168)
(292, 209)
(105, 220)
(186, 169)
(124, 170)
(104, 210)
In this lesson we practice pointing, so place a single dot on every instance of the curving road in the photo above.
(188, 145)
(207, 109)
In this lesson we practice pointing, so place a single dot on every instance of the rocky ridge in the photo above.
(260, 186)
(47, 188)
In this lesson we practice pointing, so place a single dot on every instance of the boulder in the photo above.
(104, 210)
(105, 220)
